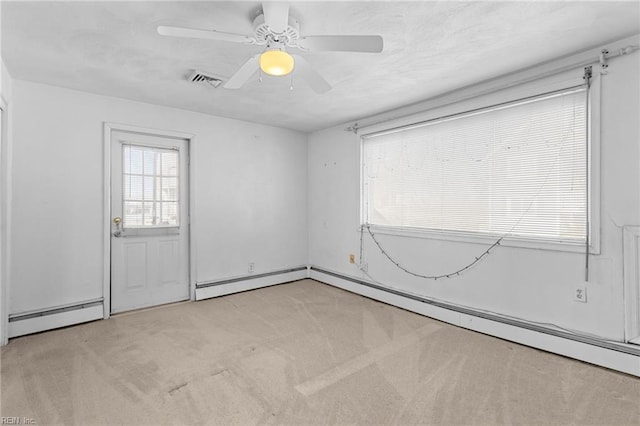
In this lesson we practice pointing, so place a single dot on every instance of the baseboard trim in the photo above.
(48, 319)
(616, 356)
(249, 282)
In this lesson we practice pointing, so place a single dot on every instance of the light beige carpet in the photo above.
(299, 353)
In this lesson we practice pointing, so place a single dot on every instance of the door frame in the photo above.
(106, 216)
(5, 218)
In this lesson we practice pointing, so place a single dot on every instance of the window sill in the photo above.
(484, 239)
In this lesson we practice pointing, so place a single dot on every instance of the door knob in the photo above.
(117, 221)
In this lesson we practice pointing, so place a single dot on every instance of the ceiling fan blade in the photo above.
(306, 71)
(276, 15)
(243, 74)
(342, 43)
(204, 34)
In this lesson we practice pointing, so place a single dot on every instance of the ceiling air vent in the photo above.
(205, 77)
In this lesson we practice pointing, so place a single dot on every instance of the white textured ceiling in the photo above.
(112, 48)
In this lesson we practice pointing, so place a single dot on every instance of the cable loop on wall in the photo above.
(429, 277)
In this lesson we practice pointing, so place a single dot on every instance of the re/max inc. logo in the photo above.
(6, 420)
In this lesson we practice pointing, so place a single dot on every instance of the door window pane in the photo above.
(169, 189)
(132, 213)
(150, 187)
(169, 212)
(169, 164)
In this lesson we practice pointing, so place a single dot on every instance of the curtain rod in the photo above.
(530, 75)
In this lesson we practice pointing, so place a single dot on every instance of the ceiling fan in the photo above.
(277, 30)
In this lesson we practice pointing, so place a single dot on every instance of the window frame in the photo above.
(486, 101)
(142, 228)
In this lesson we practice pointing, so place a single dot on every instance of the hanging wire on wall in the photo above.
(429, 277)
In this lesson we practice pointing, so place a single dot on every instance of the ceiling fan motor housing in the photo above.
(264, 35)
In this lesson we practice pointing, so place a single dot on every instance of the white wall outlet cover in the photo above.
(580, 293)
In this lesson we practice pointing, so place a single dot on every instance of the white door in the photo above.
(149, 221)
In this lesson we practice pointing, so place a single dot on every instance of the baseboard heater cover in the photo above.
(48, 319)
(249, 282)
(486, 323)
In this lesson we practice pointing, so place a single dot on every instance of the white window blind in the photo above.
(519, 168)
(150, 187)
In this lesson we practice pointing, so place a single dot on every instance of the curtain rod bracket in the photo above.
(353, 128)
(603, 61)
(588, 73)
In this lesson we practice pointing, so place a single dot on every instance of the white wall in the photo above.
(250, 193)
(535, 285)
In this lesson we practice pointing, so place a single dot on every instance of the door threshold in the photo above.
(149, 308)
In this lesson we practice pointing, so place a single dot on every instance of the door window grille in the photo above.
(150, 190)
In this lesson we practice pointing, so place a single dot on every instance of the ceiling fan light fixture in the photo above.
(276, 62)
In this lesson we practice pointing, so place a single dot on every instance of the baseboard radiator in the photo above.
(60, 316)
(211, 289)
(631, 262)
(614, 355)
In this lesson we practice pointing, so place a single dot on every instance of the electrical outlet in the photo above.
(580, 293)
(352, 258)
(252, 267)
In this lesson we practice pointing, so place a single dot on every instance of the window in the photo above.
(150, 187)
(518, 169)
